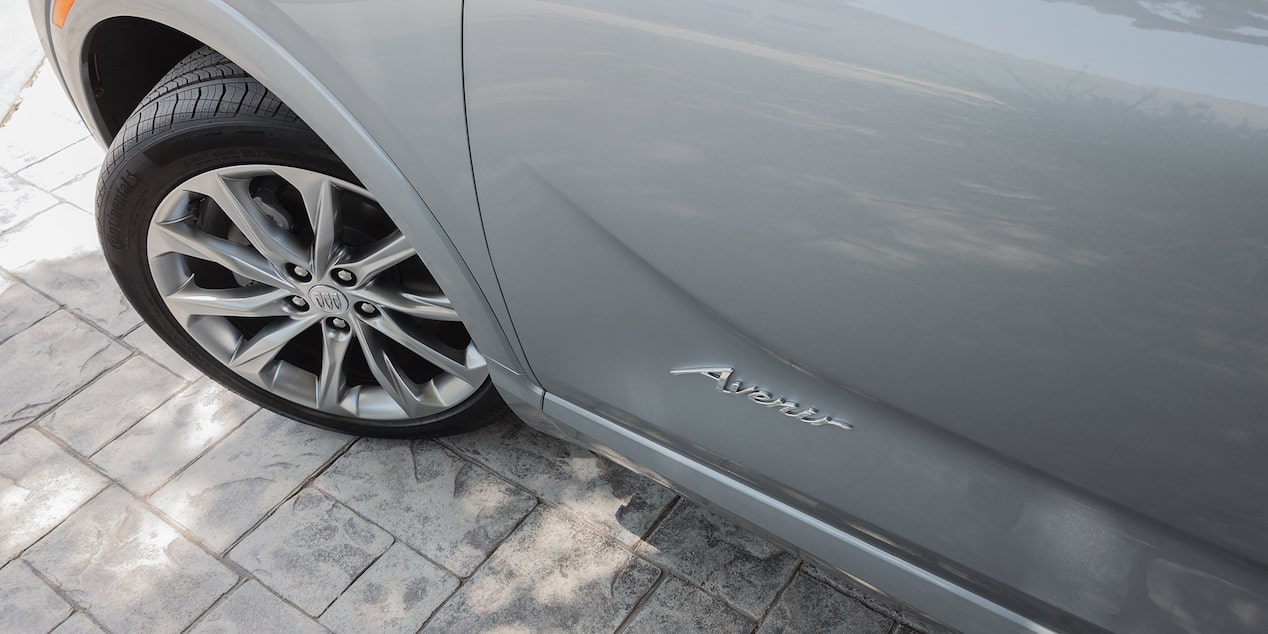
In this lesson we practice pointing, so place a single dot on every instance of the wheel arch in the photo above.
(123, 57)
(150, 33)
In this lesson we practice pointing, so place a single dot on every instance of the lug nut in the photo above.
(299, 302)
(344, 276)
(338, 324)
(300, 273)
(367, 308)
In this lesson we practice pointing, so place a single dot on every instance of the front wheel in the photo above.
(254, 252)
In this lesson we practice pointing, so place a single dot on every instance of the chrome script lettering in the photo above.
(722, 376)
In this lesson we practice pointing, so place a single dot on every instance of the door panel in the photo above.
(1012, 233)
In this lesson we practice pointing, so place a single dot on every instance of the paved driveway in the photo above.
(138, 496)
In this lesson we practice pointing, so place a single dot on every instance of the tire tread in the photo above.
(230, 93)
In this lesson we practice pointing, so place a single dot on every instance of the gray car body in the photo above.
(1021, 246)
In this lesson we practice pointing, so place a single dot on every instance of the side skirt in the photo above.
(914, 586)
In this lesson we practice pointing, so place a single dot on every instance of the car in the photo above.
(967, 301)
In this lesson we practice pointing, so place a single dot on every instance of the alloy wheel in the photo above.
(300, 283)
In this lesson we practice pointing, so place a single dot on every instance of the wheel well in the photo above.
(124, 58)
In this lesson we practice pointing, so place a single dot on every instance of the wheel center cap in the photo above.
(327, 299)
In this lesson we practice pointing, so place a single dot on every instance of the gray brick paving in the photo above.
(252, 608)
(896, 612)
(27, 604)
(678, 606)
(137, 495)
(148, 343)
(129, 567)
(727, 560)
(20, 49)
(78, 623)
(32, 134)
(166, 440)
(225, 492)
(311, 550)
(48, 362)
(94, 416)
(57, 252)
(621, 502)
(396, 594)
(66, 165)
(552, 575)
(41, 485)
(20, 201)
(449, 509)
(83, 188)
(809, 605)
(20, 306)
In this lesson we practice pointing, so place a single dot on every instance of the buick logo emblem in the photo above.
(327, 299)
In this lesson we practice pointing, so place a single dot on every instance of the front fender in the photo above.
(231, 32)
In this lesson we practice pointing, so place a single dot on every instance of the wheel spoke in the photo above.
(334, 348)
(432, 306)
(449, 360)
(180, 236)
(245, 301)
(234, 198)
(321, 202)
(252, 355)
(386, 372)
(379, 257)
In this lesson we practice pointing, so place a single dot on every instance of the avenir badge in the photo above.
(762, 397)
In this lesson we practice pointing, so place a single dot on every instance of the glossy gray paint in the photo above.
(1018, 244)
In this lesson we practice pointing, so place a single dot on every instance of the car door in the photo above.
(1018, 250)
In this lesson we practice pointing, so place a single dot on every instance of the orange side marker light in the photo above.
(61, 9)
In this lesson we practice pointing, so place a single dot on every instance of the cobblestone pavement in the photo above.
(138, 496)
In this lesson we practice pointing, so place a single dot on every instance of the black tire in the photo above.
(205, 114)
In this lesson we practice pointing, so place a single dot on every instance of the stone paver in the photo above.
(154, 449)
(133, 570)
(915, 621)
(20, 306)
(138, 496)
(446, 508)
(680, 607)
(311, 549)
(42, 123)
(89, 419)
(58, 252)
(20, 49)
(20, 200)
(725, 559)
(605, 493)
(32, 134)
(48, 362)
(251, 608)
(809, 605)
(40, 485)
(225, 492)
(46, 96)
(396, 595)
(149, 344)
(78, 623)
(65, 166)
(80, 192)
(550, 575)
(26, 603)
